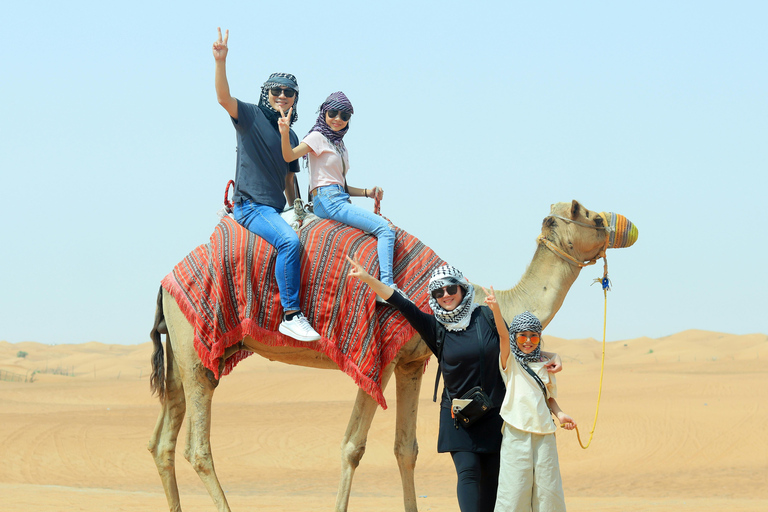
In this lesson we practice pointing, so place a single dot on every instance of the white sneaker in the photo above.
(299, 328)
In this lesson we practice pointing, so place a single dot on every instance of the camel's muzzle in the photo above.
(623, 232)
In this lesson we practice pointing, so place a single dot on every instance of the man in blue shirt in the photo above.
(263, 179)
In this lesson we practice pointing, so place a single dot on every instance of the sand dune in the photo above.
(682, 426)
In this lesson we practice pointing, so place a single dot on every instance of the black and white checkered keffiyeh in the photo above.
(458, 319)
(525, 322)
(278, 80)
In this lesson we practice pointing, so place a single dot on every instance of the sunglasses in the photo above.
(534, 339)
(451, 289)
(345, 116)
(276, 91)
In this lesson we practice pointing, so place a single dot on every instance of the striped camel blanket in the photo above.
(227, 290)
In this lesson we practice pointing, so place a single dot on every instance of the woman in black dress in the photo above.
(469, 358)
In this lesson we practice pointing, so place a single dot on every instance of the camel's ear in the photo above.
(575, 208)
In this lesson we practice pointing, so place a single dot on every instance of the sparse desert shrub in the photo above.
(21, 353)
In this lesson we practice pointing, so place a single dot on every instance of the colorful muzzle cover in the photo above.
(623, 232)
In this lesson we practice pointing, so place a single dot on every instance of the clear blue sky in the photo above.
(474, 117)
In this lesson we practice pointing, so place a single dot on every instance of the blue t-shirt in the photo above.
(261, 169)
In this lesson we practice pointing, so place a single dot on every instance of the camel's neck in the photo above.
(541, 290)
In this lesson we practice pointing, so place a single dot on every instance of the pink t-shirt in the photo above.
(326, 166)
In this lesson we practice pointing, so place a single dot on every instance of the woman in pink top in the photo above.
(328, 167)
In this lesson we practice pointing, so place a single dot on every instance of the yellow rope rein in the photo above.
(600, 388)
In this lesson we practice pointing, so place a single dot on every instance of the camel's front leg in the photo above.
(408, 377)
(353, 445)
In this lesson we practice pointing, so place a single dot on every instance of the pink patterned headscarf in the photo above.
(336, 101)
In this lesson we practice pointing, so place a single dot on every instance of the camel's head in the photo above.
(585, 234)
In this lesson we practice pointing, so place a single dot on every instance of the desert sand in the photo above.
(682, 426)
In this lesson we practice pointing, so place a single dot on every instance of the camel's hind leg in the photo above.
(353, 445)
(162, 445)
(187, 385)
(198, 392)
(408, 379)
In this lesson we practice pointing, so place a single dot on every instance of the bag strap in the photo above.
(538, 381)
(344, 173)
(296, 190)
(482, 360)
(488, 314)
(439, 338)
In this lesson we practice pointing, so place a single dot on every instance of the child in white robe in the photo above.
(529, 476)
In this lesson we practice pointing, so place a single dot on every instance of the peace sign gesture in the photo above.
(490, 299)
(220, 46)
(284, 122)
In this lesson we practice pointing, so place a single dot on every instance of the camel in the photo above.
(571, 238)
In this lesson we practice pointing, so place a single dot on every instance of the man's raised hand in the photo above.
(220, 46)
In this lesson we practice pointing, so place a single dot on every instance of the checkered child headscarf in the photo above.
(521, 323)
(278, 80)
(458, 319)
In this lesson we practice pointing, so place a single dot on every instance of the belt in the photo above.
(316, 190)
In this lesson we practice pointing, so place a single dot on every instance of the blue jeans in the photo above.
(331, 202)
(266, 222)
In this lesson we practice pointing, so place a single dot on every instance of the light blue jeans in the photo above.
(331, 202)
(266, 222)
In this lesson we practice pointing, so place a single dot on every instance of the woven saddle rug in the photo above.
(227, 290)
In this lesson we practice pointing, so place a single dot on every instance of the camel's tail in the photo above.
(157, 377)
